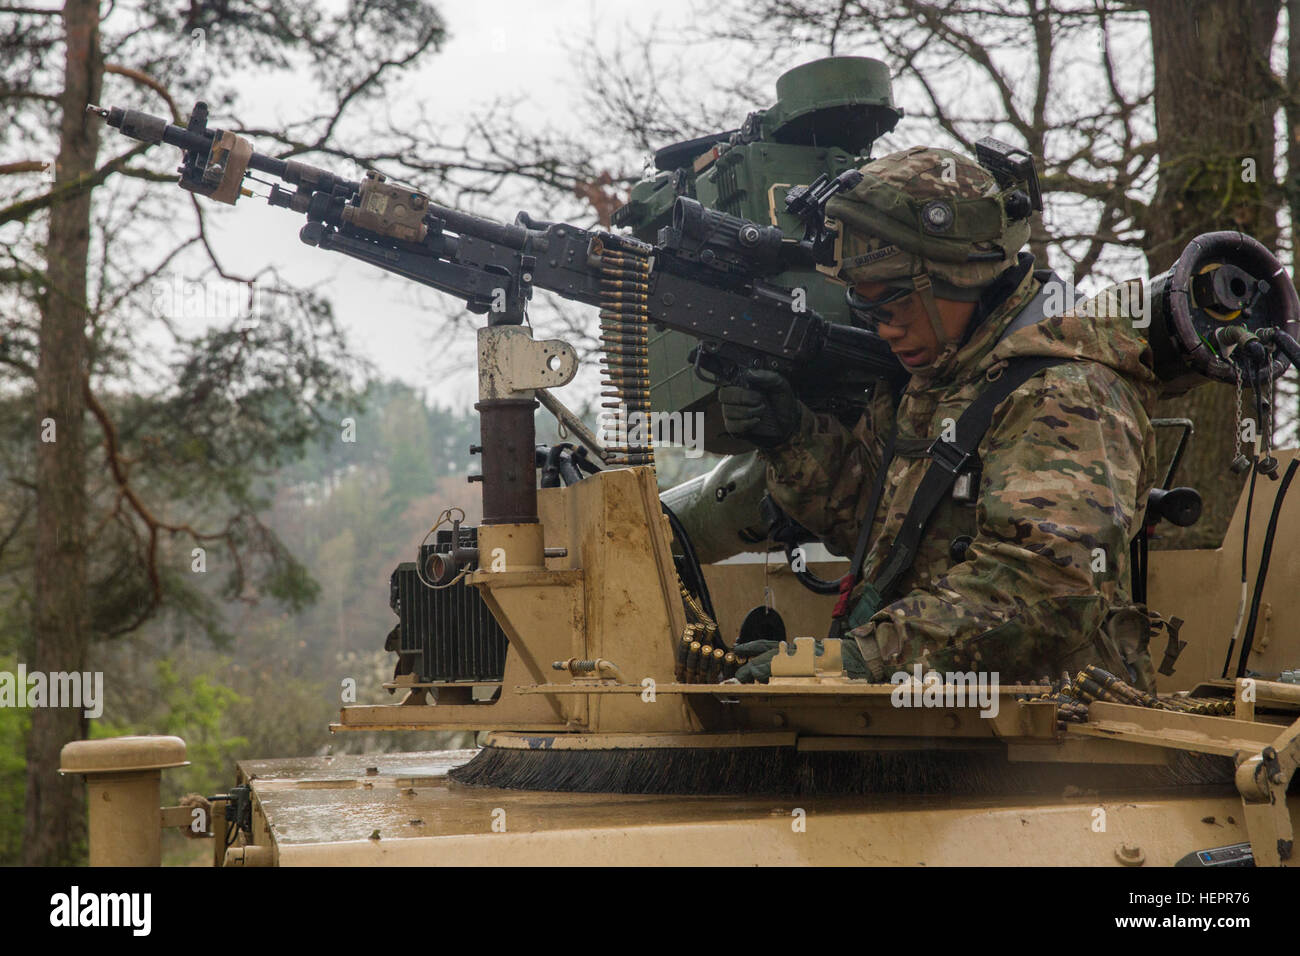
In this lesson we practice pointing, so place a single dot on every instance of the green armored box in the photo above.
(827, 115)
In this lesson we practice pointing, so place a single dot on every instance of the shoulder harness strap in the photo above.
(948, 460)
(949, 457)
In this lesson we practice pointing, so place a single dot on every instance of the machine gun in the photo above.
(708, 276)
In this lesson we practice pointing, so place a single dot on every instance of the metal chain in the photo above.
(1236, 440)
(1268, 440)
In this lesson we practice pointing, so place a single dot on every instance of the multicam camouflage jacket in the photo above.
(1066, 466)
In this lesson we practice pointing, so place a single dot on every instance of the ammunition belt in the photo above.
(1073, 695)
(625, 356)
(625, 366)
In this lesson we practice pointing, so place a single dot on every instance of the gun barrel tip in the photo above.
(98, 110)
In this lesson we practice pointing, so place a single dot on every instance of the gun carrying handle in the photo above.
(232, 153)
(221, 176)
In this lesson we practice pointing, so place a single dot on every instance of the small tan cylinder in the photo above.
(248, 856)
(510, 547)
(123, 784)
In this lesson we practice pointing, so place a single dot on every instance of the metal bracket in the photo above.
(1262, 780)
(804, 661)
(512, 365)
(1266, 761)
(222, 176)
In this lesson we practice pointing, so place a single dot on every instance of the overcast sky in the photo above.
(516, 49)
(525, 51)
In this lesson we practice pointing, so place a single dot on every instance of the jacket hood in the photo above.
(1100, 329)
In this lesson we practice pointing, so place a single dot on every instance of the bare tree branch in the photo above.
(67, 190)
(144, 79)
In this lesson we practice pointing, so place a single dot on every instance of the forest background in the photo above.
(249, 436)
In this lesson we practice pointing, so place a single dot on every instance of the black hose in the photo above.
(1249, 638)
(563, 464)
(1138, 556)
(1245, 546)
(789, 534)
(583, 462)
(548, 459)
(694, 571)
(1289, 346)
(818, 585)
(569, 473)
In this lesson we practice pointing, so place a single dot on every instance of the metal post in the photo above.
(123, 781)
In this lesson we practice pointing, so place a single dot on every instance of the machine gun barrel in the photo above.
(203, 151)
(707, 277)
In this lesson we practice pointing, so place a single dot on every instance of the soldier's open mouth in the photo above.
(913, 357)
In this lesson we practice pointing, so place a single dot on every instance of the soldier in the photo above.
(1022, 567)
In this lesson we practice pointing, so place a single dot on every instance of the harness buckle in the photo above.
(947, 455)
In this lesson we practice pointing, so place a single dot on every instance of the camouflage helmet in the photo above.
(925, 210)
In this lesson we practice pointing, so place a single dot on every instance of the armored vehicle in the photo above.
(587, 627)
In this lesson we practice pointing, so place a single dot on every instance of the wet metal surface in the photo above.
(357, 768)
(319, 800)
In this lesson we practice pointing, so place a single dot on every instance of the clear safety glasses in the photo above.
(871, 313)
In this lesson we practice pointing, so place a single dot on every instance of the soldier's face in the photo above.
(908, 331)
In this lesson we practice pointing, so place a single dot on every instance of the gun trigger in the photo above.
(709, 365)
